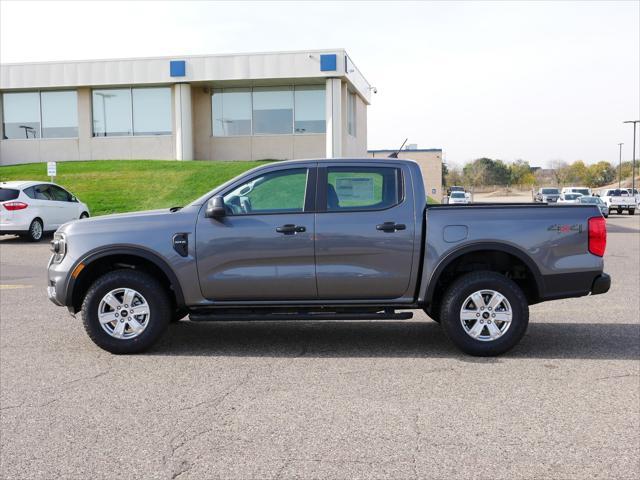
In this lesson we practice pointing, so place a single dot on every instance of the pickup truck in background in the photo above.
(618, 200)
(339, 239)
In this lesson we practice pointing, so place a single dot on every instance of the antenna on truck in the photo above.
(395, 154)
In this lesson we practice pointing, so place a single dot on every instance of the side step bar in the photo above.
(267, 316)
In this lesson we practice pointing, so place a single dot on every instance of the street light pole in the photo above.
(620, 167)
(633, 166)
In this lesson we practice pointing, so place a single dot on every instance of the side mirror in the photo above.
(215, 208)
(74, 199)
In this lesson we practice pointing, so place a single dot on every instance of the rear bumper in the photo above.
(601, 284)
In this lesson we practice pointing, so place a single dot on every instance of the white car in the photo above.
(581, 190)
(569, 198)
(458, 197)
(30, 209)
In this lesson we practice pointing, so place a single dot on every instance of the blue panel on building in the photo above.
(177, 68)
(328, 63)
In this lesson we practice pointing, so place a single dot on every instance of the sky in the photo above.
(537, 81)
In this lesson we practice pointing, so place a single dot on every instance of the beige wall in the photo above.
(430, 163)
(354, 146)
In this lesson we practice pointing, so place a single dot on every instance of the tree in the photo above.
(520, 173)
(599, 174)
(485, 171)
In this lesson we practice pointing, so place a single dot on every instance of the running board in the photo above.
(278, 316)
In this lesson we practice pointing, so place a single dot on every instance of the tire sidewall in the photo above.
(30, 235)
(149, 288)
(458, 293)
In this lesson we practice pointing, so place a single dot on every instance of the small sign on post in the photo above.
(51, 170)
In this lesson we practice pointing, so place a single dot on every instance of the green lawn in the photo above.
(112, 186)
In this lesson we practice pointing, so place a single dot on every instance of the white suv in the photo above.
(30, 209)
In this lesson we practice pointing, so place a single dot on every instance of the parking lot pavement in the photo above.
(322, 399)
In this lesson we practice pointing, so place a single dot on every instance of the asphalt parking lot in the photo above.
(322, 399)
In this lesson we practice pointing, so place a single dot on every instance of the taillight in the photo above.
(15, 205)
(597, 235)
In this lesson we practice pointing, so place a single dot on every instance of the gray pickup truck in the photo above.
(326, 239)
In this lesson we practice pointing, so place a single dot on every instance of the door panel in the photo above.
(358, 254)
(245, 258)
(263, 249)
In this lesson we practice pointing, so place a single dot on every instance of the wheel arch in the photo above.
(532, 285)
(101, 260)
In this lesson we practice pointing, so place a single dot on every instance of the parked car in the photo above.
(326, 239)
(30, 209)
(618, 200)
(581, 190)
(569, 198)
(547, 195)
(454, 188)
(589, 200)
(458, 198)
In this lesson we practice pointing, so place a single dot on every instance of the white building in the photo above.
(279, 105)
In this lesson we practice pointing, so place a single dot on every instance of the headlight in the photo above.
(58, 247)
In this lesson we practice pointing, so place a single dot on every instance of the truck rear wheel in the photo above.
(126, 311)
(484, 313)
(632, 211)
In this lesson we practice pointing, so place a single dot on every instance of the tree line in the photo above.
(486, 171)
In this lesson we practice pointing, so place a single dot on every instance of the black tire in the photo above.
(619, 212)
(632, 211)
(36, 231)
(460, 290)
(159, 310)
(84, 215)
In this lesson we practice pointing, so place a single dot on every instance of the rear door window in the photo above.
(362, 188)
(8, 194)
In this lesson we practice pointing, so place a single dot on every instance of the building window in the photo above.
(48, 114)
(151, 111)
(112, 112)
(351, 113)
(268, 110)
(231, 112)
(272, 110)
(21, 115)
(310, 109)
(131, 111)
(59, 114)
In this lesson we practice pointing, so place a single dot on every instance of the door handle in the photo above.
(390, 227)
(290, 228)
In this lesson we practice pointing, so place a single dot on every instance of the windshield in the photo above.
(572, 196)
(457, 195)
(550, 191)
(457, 189)
(583, 191)
(590, 200)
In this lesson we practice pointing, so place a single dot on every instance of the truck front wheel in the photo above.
(484, 313)
(126, 311)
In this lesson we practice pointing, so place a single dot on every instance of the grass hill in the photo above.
(112, 186)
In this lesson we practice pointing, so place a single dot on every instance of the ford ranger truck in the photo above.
(326, 239)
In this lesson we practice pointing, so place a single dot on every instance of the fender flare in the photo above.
(136, 251)
(480, 246)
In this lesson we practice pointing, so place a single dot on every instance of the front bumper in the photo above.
(57, 276)
(601, 284)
